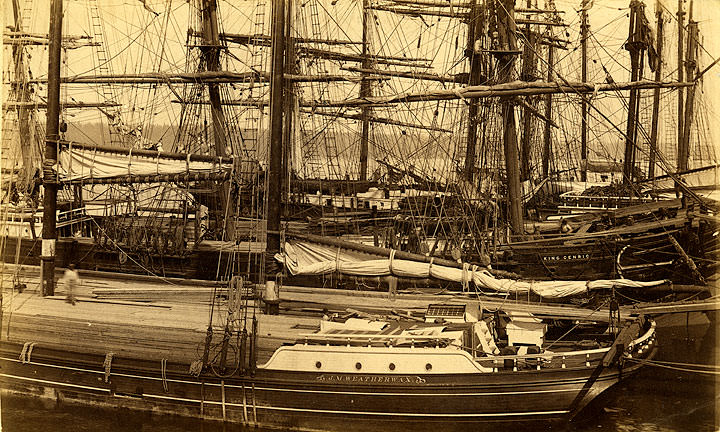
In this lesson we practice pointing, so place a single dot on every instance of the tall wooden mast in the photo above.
(690, 71)
(636, 46)
(365, 91)
(290, 101)
(506, 51)
(475, 26)
(528, 74)
(583, 77)
(681, 78)
(211, 51)
(277, 84)
(22, 92)
(52, 136)
(656, 93)
(547, 150)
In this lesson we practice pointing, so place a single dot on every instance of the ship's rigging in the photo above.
(410, 100)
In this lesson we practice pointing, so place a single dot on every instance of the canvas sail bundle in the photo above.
(304, 258)
(82, 163)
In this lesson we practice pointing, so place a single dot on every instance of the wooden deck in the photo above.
(173, 329)
(142, 317)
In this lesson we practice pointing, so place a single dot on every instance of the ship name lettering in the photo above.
(373, 379)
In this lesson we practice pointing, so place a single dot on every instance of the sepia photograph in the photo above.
(360, 215)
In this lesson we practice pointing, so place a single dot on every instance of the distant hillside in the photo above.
(97, 133)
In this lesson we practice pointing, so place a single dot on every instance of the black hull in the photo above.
(310, 401)
(86, 255)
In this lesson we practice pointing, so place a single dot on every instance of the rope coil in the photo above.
(107, 364)
(26, 352)
(464, 279)
(196, 368)
(392, 257)
(163, 373)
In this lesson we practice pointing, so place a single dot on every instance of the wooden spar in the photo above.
(691, 65)
(431, 3)
(65, 105)
(19, 34)
(458, 14)
(20, 38)
(636, 46)
(515, 88)
(49, 232)
(374, 119)
(475, 27)
(153, 178)
(23, 99)
(206, 77)
(420, 12)
(583, 104)
(410, 74)
(333, 55)
(373, 250)
(529, 109)
(681, 77)
(265, 40)
(193, 157)
(547, 149)
(160, 78)
(529, 66)
(656, 93)
(27, 40)
(276, 135)
(688, 260)
(327, 78)
(537, 22)
(365, 91)
(507, 43)
(290, 99)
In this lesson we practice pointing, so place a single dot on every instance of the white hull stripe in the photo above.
(276, 389)
(55, 383)
(370, 413)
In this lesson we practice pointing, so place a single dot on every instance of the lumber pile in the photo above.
(176, 333)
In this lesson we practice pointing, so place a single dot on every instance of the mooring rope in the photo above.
(683, 367)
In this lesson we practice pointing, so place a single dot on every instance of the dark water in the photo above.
(656, 400)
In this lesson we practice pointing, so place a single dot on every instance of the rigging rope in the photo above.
(682, 367)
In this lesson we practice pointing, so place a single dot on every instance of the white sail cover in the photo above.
(303, 258)
(81, 163)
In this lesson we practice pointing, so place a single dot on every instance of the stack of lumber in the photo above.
(176, 332)
(176, 294)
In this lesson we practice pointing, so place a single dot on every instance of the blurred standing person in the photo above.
(71, 280)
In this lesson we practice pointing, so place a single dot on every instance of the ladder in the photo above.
(321, 152)
(667, 143)
(258, 58)
(103, 68)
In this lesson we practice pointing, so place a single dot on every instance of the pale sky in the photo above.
(128, 27)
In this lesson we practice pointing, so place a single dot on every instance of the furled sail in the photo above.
(84, 163)
(304, 258)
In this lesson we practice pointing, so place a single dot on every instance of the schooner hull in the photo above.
(309, 400)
